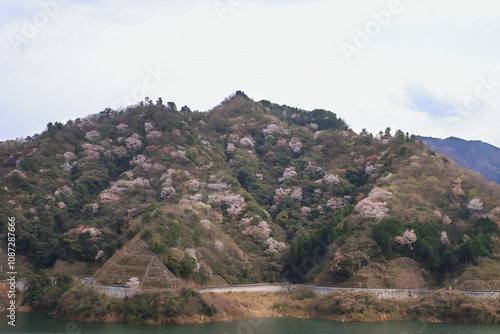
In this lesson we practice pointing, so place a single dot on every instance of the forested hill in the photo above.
(472, 154)
(247, 192)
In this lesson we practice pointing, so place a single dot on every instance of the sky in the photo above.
(426, 67)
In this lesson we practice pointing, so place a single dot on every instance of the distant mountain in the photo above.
(473, 154)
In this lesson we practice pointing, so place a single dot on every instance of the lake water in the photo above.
(38, 323)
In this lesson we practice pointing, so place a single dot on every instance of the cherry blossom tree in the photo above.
(247, 141)
(305, 210)
(273, 128)
(234, 203)
(134, 284)
(297, 195)
(444, 237)
(457, 187)
(408, 238)
(475, 204)
(121, 128)
(372, 209)
(92, 135)
(296, 145)
(287, 173)
(331, 179)
(205, 224)
(219, 245)
(148, 127)
(274, 246)
(154, 134)
(230, 148)
(133, 142)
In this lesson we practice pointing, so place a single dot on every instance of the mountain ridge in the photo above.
(246, 192)
(475, 155)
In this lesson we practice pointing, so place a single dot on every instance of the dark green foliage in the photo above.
(314, 246)
(384, 233)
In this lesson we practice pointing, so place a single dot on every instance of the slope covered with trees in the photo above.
(246, 192)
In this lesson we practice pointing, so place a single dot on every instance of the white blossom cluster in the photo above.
(287, 173)
(205, 224)
(297, 195)
(92, 135)
(134, 284)
(233, 138)
(148, 127)
(370, 169)
(192, 253)
(247, 141)
(93, 207)
(194, 185)
(230, 148)
(133, 142)
(331, 179)
(335, 203)
(274, 246)
(154, 134)
(94, 232)
(219, 245)
(444, 237)
(121, 128)
(305, 210)
(92, 147)
(138, 159)
(167, 191)
(99, 254)
(475, 204)
(273, 128)
(281, 192)
(235, 203)
(67, 156)
(259, 233)
(313, 126)
(112, 194)
(408, 238)
(317, 134)
(374, 206)
(218, 186)
(296, 145)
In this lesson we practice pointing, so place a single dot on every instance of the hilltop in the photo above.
(250, 191)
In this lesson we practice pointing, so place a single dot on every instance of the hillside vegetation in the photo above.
(247, 192)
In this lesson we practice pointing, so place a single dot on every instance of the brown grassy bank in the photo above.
(441, 306)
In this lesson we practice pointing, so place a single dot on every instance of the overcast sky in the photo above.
(427, 67)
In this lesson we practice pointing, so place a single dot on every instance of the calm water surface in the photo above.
(38, 323)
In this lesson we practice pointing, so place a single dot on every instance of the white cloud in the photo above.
(92, 52)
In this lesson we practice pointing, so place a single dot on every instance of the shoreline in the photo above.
(443, 306)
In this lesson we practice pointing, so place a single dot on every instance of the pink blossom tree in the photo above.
(408, 238)
(134, 284)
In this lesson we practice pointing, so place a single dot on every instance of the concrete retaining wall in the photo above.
(323, 290)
